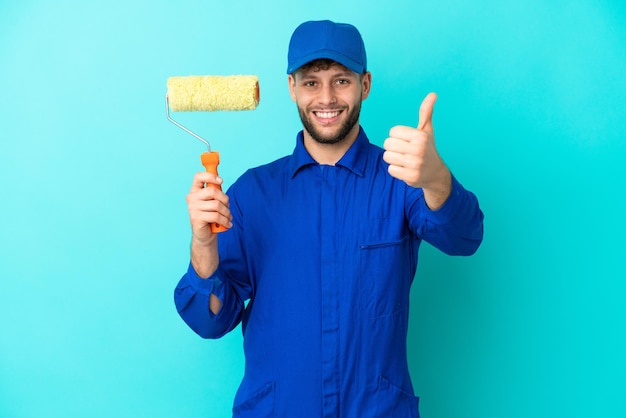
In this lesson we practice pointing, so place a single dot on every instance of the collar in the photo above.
(354, 159)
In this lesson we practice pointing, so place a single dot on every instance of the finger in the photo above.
(201, 223)
(403, 133)
(426, 112)
(207, 194)
(409, 176)
(393, 144)
(413, 143)
(211, 212)
(399, 147)
(203, 177)
(208, 212)
(401, 160)
(392, 157)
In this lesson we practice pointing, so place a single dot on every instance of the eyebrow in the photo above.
(311, 74)
(346, 73)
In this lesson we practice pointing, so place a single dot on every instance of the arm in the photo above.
(204, 260)
(456, 228)
(448, 216)
(206, 205)
(193, 296)
(209, 306)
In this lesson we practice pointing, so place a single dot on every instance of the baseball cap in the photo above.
(340, 42)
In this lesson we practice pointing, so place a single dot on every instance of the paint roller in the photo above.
(210, 93)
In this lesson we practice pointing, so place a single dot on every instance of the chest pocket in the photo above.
(384, 277)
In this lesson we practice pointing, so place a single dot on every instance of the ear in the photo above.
(292, 86)
(366, 84)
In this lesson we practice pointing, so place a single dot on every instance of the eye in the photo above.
(343, 81)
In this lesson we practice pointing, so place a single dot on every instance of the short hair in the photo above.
(321, 64)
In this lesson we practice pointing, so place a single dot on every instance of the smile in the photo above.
(327, 115)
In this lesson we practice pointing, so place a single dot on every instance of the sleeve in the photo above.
(192, 296)
(456, 228)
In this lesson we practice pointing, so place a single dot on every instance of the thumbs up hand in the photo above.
(413, 157)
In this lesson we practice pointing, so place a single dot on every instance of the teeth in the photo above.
(327, 115)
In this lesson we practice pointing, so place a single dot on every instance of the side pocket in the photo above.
(259, 405)
(393, 402)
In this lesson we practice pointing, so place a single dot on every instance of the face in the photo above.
(329, 100)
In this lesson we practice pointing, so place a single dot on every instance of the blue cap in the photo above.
(340, 42)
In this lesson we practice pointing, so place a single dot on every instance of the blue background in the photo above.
(94, 228)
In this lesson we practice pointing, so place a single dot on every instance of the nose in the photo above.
(327, 94)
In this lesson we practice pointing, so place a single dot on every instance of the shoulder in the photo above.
(376, 152)
(274, 169)
(260, 178)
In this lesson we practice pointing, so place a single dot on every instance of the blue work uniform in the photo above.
(325, 256)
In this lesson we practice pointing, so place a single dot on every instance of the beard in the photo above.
(344, 129)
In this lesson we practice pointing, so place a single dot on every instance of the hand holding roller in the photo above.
(211, 93)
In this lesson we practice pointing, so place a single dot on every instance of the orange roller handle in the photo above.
(210, 161)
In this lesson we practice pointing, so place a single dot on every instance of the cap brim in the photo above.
(326, 54)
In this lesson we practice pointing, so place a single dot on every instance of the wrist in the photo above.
(203, 238)
(204, 256)
(437, 192)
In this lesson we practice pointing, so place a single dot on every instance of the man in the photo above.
(323, 244)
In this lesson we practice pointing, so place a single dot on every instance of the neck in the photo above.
(330, 154)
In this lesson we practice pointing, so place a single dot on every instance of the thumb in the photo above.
(426, 112)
